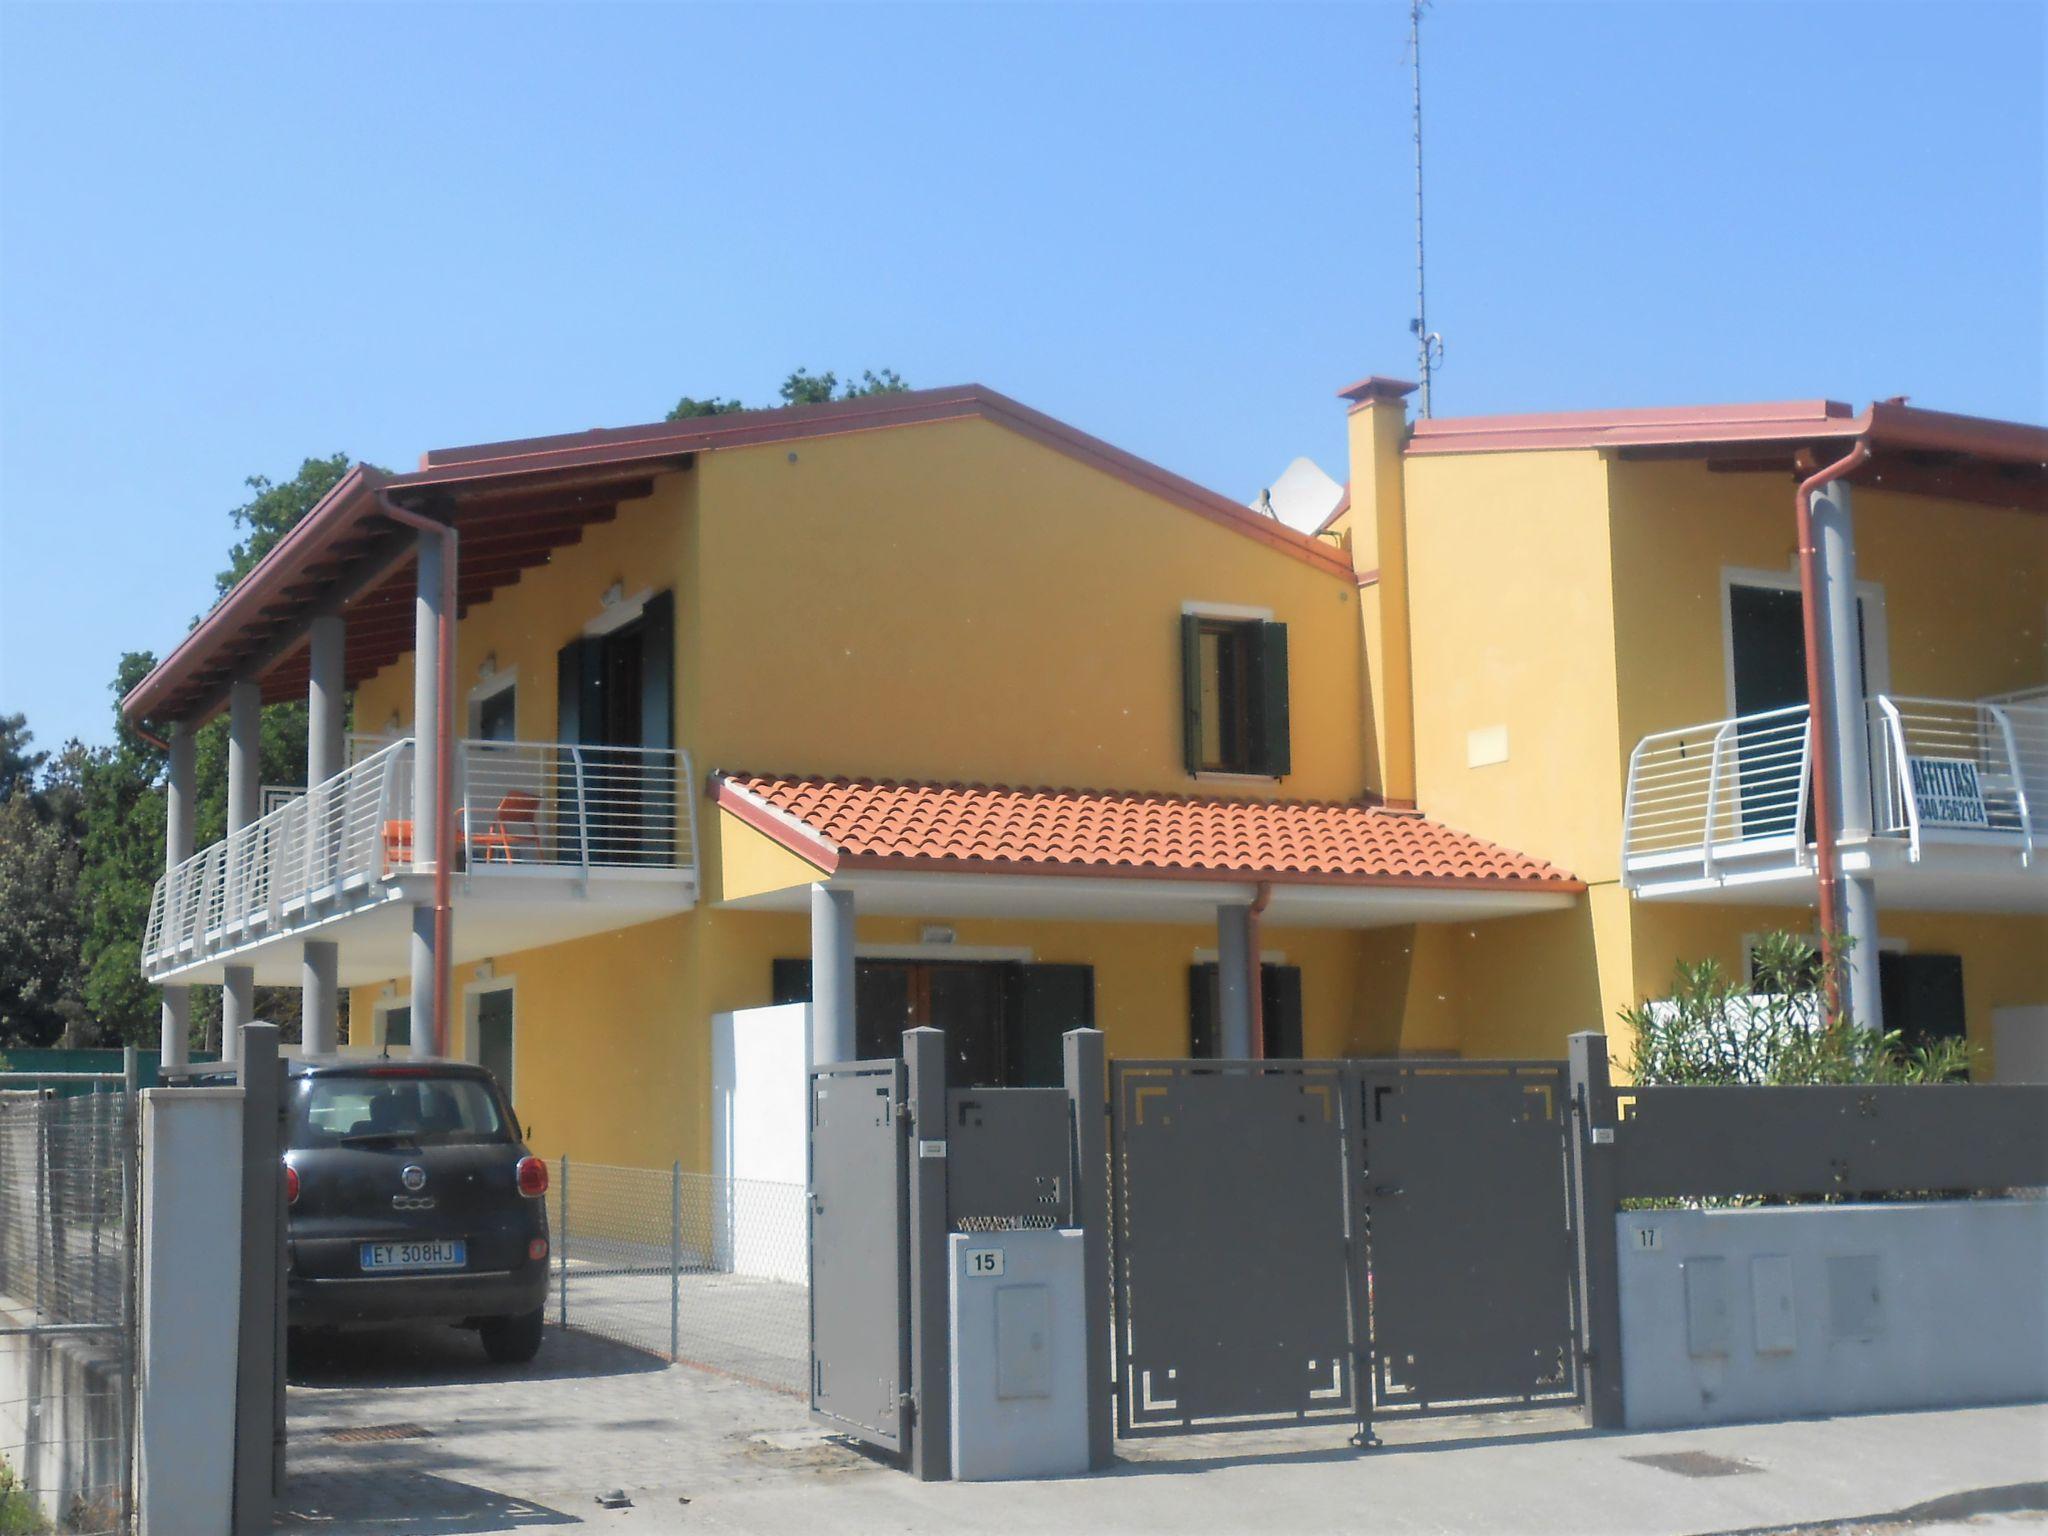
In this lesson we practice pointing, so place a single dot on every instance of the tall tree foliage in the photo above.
(801, 388)
(40, 934)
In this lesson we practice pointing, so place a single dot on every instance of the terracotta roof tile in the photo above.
(978, 828)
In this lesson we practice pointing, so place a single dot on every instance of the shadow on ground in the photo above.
(407, 1500)
(442, 1356)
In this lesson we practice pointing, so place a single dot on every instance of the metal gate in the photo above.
(1237, 1283)
(859, 1237)
(1470, 1235)
(1298, 1242)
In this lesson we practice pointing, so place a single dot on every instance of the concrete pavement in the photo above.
(487, 1449)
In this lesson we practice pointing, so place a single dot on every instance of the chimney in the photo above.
(1379, 552)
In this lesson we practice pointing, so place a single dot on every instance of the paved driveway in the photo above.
(490, 1449)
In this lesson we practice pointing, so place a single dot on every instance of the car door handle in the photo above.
(1385, 1191)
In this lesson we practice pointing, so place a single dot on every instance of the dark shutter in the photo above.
(1203, 984)
(1191, 692)
(1045, 1002)
(790, 981)
(569, 690)
(657, 671)
(1271, 753)
(1280, 1003)
(1922, 996)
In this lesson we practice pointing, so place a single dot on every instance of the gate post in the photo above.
(1593, 1180)
(931, 1440)
(259, 1384)
(1088, 1111)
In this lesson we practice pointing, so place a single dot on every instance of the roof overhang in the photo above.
(1052, 895)
(516, 502)
(1914, 451)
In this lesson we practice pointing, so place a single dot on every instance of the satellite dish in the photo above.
(1301, 498)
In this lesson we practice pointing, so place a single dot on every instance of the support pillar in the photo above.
(1087, 1080)
(832, 1015)
(931, 1354)
(175, 1033)
(1235, 980)
(426, 759)
(319, 998)
(1848, 726)
(245, 778)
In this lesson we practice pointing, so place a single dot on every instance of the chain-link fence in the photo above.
(67, 1310)
(705, 1271)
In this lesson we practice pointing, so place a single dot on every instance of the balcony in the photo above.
(554, 841)
(1958, 791)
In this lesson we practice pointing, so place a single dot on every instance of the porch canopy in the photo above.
(965, 850)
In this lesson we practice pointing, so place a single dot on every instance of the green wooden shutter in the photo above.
(1203, 1006)
(1271, 752)
(1280, 1008)
(1045, 1002)
(1191, 691)
(657, 671)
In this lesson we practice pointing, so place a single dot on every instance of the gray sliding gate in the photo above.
(1303, 1242)
(860, 1278)
(1470, 1235)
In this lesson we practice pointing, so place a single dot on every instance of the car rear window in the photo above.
(346, 1109)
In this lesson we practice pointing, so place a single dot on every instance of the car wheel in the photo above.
(513, 1340)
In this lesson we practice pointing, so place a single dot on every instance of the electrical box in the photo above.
(1020, 1366)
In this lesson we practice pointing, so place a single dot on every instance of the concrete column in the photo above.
(832, 1032)
(1235, 979)
(427, 748)
(1847, 724)
(319, 998)
(174, 1043)
(426, 699)
(245, 782)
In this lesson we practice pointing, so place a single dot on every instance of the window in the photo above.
(1279, 1010)
(398, 1026)
(1234, 696)
(494, 714)
(332, 1111)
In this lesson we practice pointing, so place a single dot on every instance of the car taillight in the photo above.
(291, 1185)
(537, 1249)
(533, 1177)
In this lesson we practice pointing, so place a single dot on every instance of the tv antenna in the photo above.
(1429, 346)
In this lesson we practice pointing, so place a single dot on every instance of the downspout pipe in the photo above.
(444, 769)
(1819, 721)
(1252, 916)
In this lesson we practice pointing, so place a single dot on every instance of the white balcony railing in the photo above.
(1971, 770)
(522, 806)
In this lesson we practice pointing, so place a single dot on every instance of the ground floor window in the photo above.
(1003, 1019)
(1279, 1006)
(398, 1026)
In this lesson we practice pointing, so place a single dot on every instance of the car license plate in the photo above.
(439, 1253)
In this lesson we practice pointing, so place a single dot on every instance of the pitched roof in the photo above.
(347, 546)
(870, 824)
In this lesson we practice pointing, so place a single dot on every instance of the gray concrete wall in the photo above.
(1771, 1313)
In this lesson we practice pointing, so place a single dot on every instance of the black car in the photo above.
(413, 1199)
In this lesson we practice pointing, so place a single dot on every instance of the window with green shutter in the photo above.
(1234, 696)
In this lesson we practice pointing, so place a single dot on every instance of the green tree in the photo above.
(801, 388)
(1775, 1029)
(40, 934)
(274, 510)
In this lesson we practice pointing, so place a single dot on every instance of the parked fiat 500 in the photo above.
(413, 1199)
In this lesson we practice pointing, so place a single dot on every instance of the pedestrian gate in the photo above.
(1297, 1242)
(860, 1279)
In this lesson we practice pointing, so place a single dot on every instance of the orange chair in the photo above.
(514, 834)
(397, 843)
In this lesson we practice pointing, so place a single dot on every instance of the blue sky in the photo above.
(231, 237)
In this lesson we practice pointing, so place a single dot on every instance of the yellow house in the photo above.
(926, 708)
(1584, 638)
